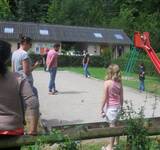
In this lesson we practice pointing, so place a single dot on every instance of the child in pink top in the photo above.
(112, 99)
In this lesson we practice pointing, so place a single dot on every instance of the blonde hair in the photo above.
(113, 73)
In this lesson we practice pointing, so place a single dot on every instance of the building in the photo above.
(94, 40)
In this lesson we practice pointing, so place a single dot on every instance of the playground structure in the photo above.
(134, 53)
(142, 41)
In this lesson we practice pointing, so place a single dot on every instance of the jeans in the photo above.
(52, 85)
(141, 85)
(86, 72)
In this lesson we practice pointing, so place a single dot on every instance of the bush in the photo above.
(137, 127)
(104, 61)
(35, 57)
(75, 61)
(65, 61)
(142, 58)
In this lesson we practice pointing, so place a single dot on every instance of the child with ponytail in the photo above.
(112, 100)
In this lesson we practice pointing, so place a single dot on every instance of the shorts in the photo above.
(113, 114)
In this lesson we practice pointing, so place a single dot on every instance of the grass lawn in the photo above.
(152, 84)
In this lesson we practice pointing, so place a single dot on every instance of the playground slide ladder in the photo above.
(134, 52)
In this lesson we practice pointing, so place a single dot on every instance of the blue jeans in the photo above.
(86, 72)
(52, 85)
(141, 85)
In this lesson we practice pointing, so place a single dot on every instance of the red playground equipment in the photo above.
(142, 41)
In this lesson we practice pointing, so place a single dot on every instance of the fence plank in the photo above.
(77, 134)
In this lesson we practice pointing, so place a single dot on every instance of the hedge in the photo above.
(104, 61)
(142, 58)
(75, 61)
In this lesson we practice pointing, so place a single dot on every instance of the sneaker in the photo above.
(55, 91)
(106, 148)
(51, 93)
(103, 148)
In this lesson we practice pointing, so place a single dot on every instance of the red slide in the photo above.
(142, 41)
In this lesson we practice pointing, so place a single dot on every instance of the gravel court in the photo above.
(79, 99)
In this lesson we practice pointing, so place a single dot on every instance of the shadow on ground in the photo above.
(72, 92)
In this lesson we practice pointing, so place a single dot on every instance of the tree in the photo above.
(29, 11)
(78, 12)
(5, 13)
(134, 16)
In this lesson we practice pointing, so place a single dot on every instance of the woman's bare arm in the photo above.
(26, 67)
(105, 96)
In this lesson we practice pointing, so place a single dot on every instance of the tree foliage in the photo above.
(129, 15)
(139, 15)
(5, 12)
(77, 12)
(29, 10)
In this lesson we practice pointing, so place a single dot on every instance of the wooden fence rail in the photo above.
(77, 132)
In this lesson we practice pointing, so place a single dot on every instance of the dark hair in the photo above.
(26, 39)
(56, 45)
(87, 55)
(5, 51)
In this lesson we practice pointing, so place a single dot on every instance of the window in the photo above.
(118, 36)
(8, 30)
(43, 32)
(98, 35)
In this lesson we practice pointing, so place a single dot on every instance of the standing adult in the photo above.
(85, 62)
(141, 77)
(52, 64)
(15, 93)
(21, 62)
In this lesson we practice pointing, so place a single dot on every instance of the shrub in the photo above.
(136, 126)
(103, 61)
(75, 61)
(35, 57)
(142, 58)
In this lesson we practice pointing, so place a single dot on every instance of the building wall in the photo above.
(115, 50)
(13, 45)
(98, 49)
(37, 47)
(93, 49)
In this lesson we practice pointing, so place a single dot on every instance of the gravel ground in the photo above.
(79, 99)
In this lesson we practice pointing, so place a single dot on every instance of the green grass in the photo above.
(152, 84)
(98, 73)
